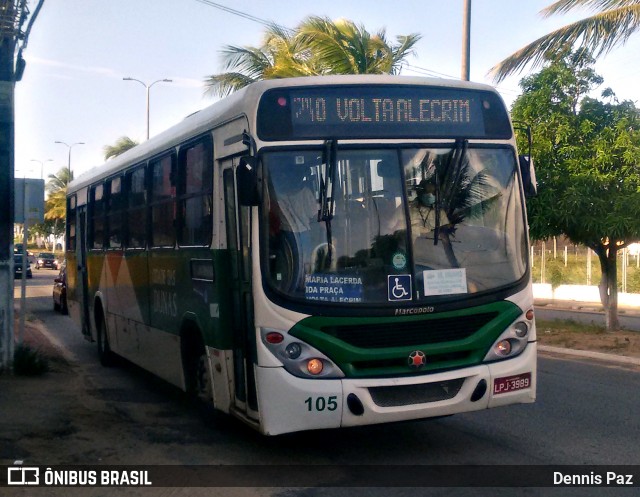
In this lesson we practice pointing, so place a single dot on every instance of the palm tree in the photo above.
(280, 56)
(342, 47)
(318, 46)
(121, 145)
(613, 22)
(56, 203)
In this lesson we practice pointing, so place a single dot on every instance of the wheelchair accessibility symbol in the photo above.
(399, 287)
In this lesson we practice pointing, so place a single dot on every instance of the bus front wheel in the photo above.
(197, 370)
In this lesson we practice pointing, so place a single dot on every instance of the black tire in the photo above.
(197, 373)
(105, 355)
(56, 306)
(63, 305)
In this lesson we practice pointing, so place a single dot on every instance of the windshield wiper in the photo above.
(453, 166)
(327, 181)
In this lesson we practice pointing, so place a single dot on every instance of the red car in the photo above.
(60, 290)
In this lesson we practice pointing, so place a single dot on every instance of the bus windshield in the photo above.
(392, 226)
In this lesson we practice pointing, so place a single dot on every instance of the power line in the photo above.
(244, 15)
(429, 72)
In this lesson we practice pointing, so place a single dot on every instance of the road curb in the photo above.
(586, 354)
(59, 347)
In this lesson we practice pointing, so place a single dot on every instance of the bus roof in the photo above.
(245, 102)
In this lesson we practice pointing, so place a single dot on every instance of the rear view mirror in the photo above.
(247, 181)
(528, 173)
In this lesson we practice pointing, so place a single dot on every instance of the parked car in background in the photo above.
(18, 248)
(46, 259)
(60, 290)
(17, 266)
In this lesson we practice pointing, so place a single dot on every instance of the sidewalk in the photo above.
(587, 354)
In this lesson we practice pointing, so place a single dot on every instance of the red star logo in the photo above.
(417, 359)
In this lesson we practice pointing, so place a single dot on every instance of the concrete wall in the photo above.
(580, 293)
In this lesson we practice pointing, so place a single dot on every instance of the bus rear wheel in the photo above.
(106, 356)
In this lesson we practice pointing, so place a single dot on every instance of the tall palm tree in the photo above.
(280, 56)
(342, 47)
(613, 22)
(56, 204)
(318, 46)
(121, 145)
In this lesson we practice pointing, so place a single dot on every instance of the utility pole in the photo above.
(466, 40)
(8, 37)
(13, 14)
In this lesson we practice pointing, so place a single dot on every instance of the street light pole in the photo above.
(148, 87)
(69, 156)
(41, 166)
(466, 40)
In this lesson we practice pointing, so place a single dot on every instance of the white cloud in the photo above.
(104, 71)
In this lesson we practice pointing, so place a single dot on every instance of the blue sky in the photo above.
(79, 51)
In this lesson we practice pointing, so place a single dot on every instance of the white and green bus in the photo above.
(317, 253)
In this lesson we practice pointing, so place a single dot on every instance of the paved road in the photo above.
(586, 414)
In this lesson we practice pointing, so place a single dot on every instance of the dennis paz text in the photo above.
(610, 478)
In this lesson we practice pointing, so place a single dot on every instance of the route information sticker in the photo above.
(445, 281)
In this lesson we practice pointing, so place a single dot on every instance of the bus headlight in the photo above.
(512, 342)
(299, 358)
(503, 347)
(293, 350)
(315, 366)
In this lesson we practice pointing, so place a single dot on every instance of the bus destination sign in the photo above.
(380, 112)
(308, 110)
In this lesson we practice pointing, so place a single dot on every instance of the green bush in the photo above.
(29, 362)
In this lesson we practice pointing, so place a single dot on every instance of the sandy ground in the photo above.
(624, 343)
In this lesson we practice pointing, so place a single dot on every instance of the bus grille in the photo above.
(405, 395)
(401, 362)
(377, 336)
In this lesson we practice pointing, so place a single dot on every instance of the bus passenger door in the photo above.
(238, 232)
(82, 292)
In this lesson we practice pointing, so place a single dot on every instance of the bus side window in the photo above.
(71, 224)
(137, 208)
(196, 194)
(163, 202)
(114, 208)
(96, 213)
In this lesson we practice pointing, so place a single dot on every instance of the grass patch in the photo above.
(572, 335)
(29, 362)
(569, 326)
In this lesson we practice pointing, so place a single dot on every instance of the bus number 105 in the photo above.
(322, 403)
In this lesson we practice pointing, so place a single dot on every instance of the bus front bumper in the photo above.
(289, 404)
